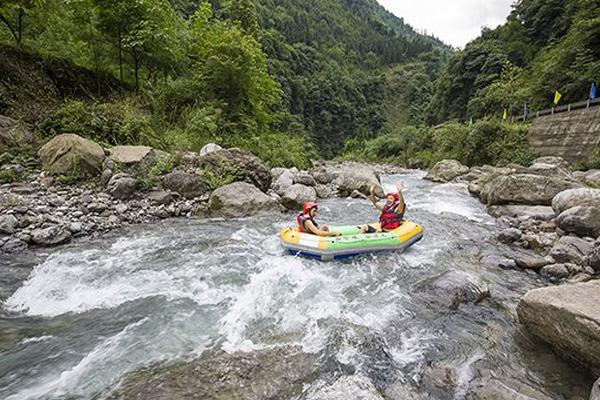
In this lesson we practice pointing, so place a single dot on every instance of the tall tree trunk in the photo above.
(120, 46)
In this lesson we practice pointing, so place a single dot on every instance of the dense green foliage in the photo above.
(544, 46)
(484, 142)
(289, 80)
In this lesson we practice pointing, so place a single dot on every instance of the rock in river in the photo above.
(453, 288)
(296, 195)
(240, 199)
(278, 373)
(525, 189)
(580, 220)
(51, 236)
(568, 318)
(576, 197)
(446, 170)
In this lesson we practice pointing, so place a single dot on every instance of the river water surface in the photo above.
(87, 314)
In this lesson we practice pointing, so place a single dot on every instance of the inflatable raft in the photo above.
(351, 243)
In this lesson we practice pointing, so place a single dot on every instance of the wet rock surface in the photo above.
(453, 288)
(278, 373)
(241, 199)
(567, 317)
(446, 170)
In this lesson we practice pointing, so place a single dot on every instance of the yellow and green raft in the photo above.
(351, 243)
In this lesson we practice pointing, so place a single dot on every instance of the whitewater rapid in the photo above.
(91, 312)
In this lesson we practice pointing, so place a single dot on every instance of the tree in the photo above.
(13, 13)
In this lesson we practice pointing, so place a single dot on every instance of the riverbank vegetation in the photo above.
(292, 81)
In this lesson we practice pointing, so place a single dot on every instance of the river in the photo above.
(76, 319)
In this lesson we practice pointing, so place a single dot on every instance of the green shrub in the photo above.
(119, 122)
(591, 161)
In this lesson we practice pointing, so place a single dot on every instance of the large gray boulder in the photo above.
(51, 236)
(69, 154)
(346, 387)
(121, 186)
(453, 288)
(8, 224)
(567, 317)
(541, 213)
(580, 220)
(351, 177)
(525, 189)
(296, 195)
(284, 179)
(570, 249)
(187, 185)
(13, 134)
(593, 258)
(240, 199)
(238, 165)
(278, 373)
(446, 170)
(576, 197)
(550, 166)
(139, 157)
(304, 178)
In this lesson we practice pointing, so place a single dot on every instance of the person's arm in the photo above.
(374, 200)
(400, 186)
(316, 231)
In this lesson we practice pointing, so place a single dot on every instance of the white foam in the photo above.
(77, 282)
(36, 339)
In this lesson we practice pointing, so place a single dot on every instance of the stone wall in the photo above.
(570, 135)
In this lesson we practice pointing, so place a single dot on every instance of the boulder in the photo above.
(209, 148)
(446, 170)
(51, 236)
(322, 175)
(13, 134)
(567, 317)
(324, 191)
(160, 197)
(501, 388)
(121, 186)
(239, 165)
(542, 213)
(591, 178)
(453, 288)
(304, 178)
(67, 154)
(570, 249)
(509, 235)
(296, 195)
(525, 189)
(580, 220)
(533, 262)
(550, 166)
(556, 271)
(576, 197)
(352, 177)
(13, 245)
(593, 258)
(8, 224)
(346, 387)
(276, 373)
(132, 155)
(283, 181)
(240, 199)
(187, 185)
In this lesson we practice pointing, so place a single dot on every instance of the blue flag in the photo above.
(593, 92)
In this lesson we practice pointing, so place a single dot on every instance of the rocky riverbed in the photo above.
(550, 219)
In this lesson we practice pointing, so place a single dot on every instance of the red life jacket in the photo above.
(301, 220)
(390, 218)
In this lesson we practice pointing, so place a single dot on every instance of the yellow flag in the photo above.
(557, 97)
(505, 115)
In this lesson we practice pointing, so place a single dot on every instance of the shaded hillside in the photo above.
(31, 85)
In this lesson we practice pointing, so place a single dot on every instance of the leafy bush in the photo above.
(485, 142)
(119, 122)
(591, 161)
